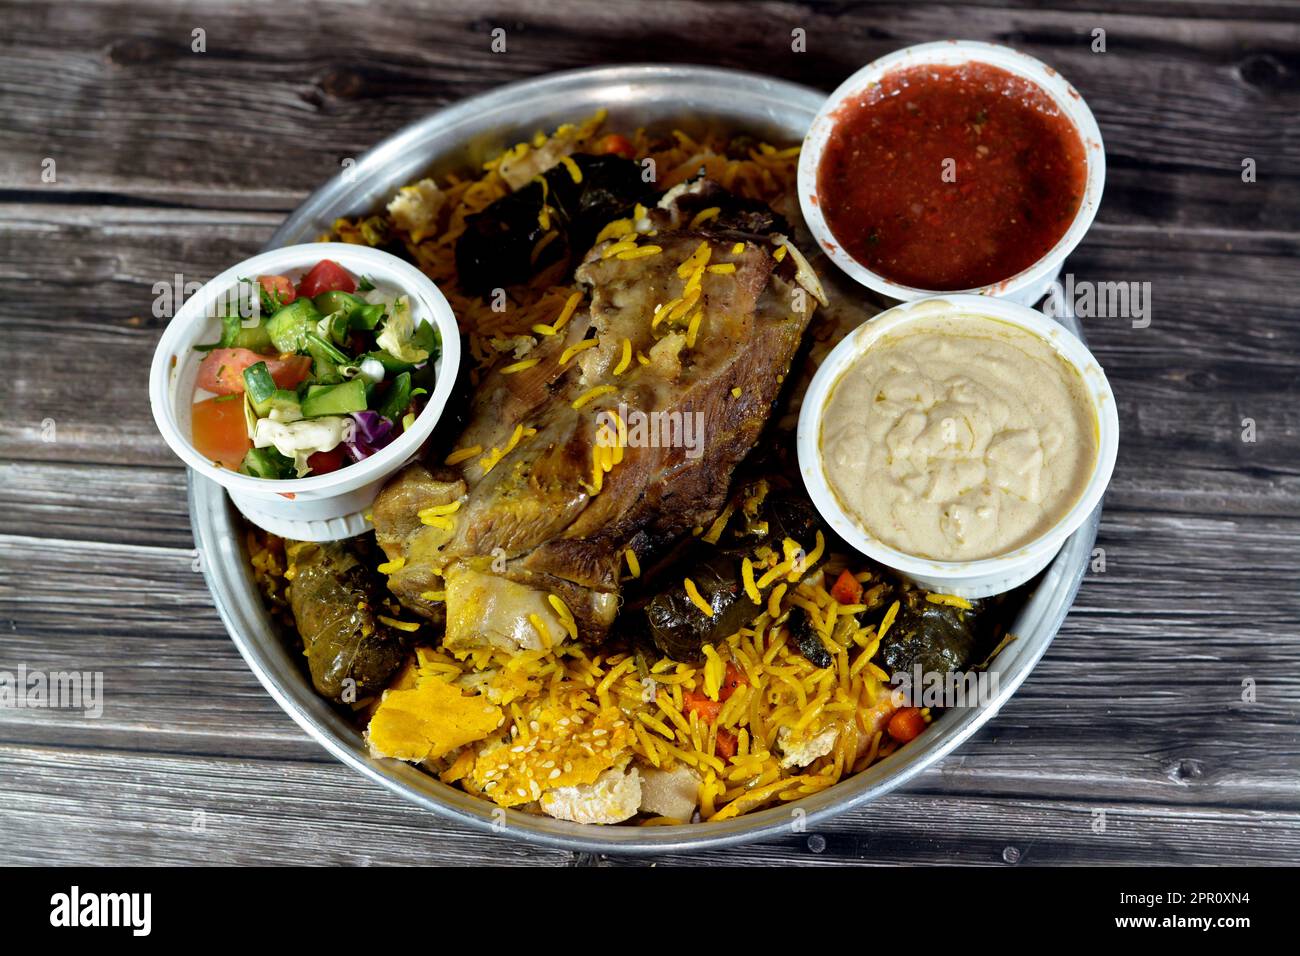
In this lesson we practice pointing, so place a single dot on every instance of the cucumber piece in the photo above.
(235, 335)
(334, 399)
(267, 463)
(289, 327)
(282, 406)
(259, 385)
(254, 338)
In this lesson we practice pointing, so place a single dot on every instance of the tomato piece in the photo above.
(847, 589)
(323, 462)
(906, 724)
(731, 681)
(614, 143)
(222, 371)
(288, 371)
(326, 276)
(700, 704)
(219, 432)
(281, 287)
(724, 744)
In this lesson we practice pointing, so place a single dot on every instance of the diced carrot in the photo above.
(700, 704)
(847, 589)
(731, 681)
(614, 143)
(906, 724)
(724, 744)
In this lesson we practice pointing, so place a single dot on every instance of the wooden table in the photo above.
(1167, 705)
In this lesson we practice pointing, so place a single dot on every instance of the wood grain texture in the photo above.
(174, 162)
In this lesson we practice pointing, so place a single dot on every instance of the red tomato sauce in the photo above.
(1014, 183)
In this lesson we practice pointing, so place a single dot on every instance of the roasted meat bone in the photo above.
(533, 518)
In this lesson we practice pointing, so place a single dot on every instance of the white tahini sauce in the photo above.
(959, 438)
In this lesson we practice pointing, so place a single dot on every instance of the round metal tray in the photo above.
(470, 131)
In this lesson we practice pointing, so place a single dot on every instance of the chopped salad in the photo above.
(328, 371)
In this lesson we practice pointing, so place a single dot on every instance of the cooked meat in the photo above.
(801, 749)
(400, 530)
(613, 798)
(549, 503)
(670, 793)
(335, 599)
(551, 217)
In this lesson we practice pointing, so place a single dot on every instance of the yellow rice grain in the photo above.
(462, 454)
(951, 600)
(747, 579)
(626, 360)
(592, 394)
(519, 366)
(697, 599)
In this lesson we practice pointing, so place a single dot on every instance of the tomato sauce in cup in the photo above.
(951, 177)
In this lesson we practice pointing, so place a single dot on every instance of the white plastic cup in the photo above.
(969, 579)
(318, 507)
(1025, 287)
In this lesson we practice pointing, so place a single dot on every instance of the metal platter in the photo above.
(690, 98)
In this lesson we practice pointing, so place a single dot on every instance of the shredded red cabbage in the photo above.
(372, 432)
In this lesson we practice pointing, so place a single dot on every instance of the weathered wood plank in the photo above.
(903, 828)
(66, 807)
(72, 807)
(106, 504)
(1180, 102)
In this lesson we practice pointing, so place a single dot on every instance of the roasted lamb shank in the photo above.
(618, 432)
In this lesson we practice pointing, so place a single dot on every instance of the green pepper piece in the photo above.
(366, 317)
(327, 348)
(397, 398)
(391, 363)
(428, 338)
(338, 301)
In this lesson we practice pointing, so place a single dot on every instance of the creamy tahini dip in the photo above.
(959, 438)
